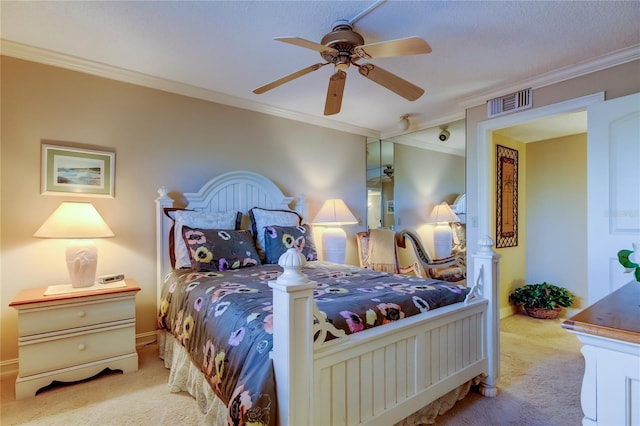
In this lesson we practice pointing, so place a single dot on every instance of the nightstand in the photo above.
(73, 336)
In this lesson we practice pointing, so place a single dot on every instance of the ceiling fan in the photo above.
(343, 47)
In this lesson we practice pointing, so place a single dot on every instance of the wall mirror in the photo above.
(407, 175)
(380, 200)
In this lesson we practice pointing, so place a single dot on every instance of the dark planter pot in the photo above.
(543, 313)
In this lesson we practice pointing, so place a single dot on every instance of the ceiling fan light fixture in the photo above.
(342, 62)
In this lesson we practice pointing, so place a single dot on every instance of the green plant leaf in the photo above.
(623, 258)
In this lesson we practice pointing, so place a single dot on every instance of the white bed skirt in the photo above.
(185, 377)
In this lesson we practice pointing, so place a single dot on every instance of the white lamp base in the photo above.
(334, 244)
(82, 262)
(442, 240)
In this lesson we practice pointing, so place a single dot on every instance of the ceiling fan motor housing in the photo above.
(344, 40)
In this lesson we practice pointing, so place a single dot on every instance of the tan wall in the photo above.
(556, 238)
(159, 139)
(423, 179)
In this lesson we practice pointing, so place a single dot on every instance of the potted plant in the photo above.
(630, 259)
(542, 300)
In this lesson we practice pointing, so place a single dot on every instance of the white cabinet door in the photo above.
(613, 194)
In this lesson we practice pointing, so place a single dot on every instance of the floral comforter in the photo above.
(224, 321)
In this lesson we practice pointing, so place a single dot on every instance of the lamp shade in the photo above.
(334, 212)
(74, 220)
(79, 222)
(443, 213)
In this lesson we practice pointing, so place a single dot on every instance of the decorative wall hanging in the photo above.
(506, 197)
(76, 171)
(391, 208)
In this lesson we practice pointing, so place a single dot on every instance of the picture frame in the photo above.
(391, 208)
(81, 172)
(506, 197)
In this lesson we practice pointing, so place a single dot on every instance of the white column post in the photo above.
(487, 268)
(293, 340)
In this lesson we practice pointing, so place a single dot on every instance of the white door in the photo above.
(613, 191)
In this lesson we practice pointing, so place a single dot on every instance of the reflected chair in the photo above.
(413, 256)
(377, 250)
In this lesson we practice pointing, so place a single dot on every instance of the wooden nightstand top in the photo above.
(36, 295)
(616, 316)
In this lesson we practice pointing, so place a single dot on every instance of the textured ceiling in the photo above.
(222, 50)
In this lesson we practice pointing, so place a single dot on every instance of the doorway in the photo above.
(485, 174)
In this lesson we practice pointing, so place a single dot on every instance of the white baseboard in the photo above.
(148, 338)
(10, 366)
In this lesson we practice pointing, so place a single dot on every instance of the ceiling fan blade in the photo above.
(391, 81)
(334, 93)
(307, 44)
(288, 78)
(400, 47)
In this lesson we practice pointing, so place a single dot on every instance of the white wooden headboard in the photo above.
(233, 191)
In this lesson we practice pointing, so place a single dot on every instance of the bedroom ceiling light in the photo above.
(404, 122)
(442, 216)
(334, 214)
(79, 222)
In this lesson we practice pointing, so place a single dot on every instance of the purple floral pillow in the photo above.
(219, 249)
(278, 239)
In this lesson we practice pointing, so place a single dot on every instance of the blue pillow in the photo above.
(220, 249)
(278, 239)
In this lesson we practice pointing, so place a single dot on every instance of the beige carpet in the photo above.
(541, 373)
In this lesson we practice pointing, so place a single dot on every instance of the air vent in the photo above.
(509, 103)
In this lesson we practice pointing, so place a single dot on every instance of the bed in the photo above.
(326, 363)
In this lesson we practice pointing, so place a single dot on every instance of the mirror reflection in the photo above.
(380, 188)
(410, 174)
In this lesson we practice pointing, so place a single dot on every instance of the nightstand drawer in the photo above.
(74, 349)
(64, 317)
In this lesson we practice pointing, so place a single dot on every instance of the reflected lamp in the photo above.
(80, 223)
(334, 214)
(443, 216)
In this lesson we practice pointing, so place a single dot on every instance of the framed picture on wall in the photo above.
(390, 207)
(75, 171)
(506, 197)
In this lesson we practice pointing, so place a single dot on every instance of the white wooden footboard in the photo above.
(380, 378)
(381, 375)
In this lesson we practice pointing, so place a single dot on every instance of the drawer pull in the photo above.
(81, 347)
(82, 314)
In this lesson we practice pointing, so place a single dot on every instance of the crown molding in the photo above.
(612, 59)
(48, 57)
(74, 63)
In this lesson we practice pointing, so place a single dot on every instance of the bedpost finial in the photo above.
(485, 244)
(291, 261)
(163, 191)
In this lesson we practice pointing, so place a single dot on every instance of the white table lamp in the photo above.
(442, 216)
(333, 214)
(79, 222)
